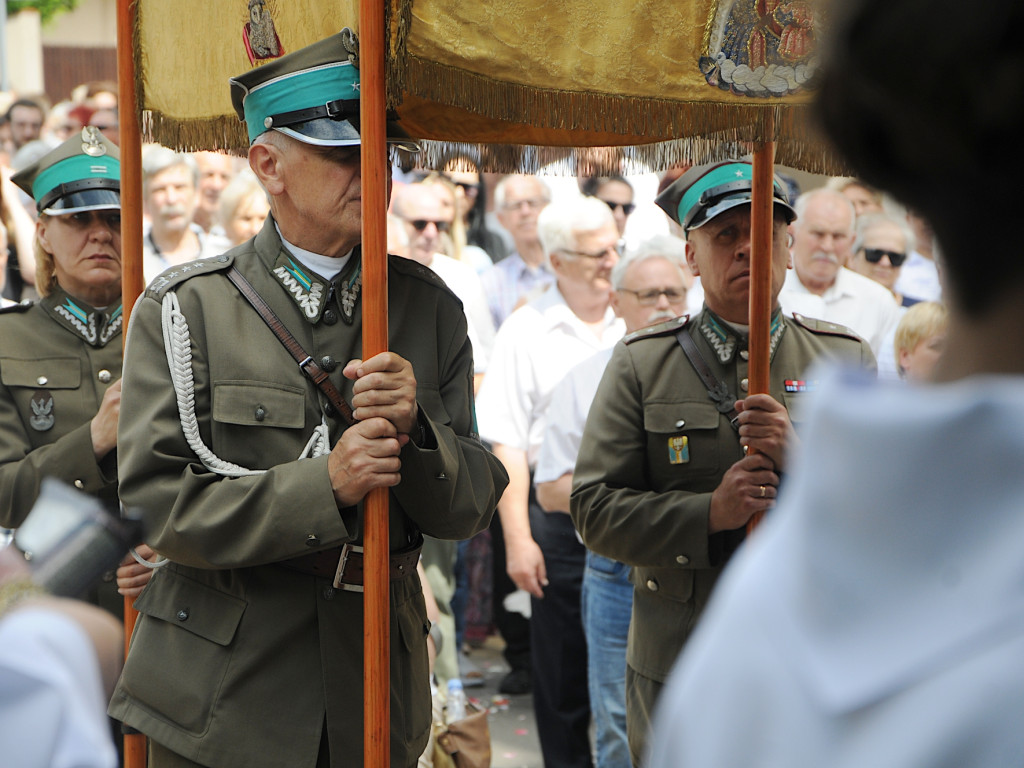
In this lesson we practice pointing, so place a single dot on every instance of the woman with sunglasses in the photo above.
(471, 204)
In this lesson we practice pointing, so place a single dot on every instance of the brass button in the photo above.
(744, 384)
(682, 559)
(652, 585)
(330, 317)
(260, 414)
(104, 376)
(79, 485)
(183, 614)
(680, 424)
(41, 381)
(312, 540)
(328, 363)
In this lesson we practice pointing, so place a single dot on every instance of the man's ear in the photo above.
(691, 259)
(265, 160)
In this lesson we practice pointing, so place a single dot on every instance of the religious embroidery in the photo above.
(760, 47)
(259, 34)
(308, 294)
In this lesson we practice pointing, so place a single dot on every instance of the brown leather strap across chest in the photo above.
(306, 363)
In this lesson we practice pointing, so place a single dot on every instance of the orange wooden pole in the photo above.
(375, 174)
(761, 216)
(131, 253)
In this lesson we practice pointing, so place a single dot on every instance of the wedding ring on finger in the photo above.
(762, 492)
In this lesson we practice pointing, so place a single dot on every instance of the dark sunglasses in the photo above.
(874, 255)
(420, 224)
(627, 208)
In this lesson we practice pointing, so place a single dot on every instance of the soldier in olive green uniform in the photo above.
(663, 482)
(246, 652)
(60, 358)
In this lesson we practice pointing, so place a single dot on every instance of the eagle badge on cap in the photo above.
(91, 143)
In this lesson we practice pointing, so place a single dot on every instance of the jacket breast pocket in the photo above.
(48, 394)
(682, 440)
(259, 424)
(185, 625)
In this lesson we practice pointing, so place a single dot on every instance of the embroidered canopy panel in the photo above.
(523, 81)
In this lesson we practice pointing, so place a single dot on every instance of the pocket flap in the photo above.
(258, 404)
(666, 417)
(47, 372)
(201, 610)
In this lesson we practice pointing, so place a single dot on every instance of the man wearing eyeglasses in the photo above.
(821, 285)
(663, 481)
(533, 351)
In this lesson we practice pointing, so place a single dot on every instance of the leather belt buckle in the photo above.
(339, 576)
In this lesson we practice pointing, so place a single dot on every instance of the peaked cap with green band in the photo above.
(311, 95)
(81, 174)
(705, 191)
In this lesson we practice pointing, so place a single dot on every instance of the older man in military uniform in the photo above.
(249, 647)
(663, 481)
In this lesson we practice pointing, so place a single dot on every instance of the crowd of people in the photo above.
(567, 353)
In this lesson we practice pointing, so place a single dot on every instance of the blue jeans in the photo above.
(607, 605)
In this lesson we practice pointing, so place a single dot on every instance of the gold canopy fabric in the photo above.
(519, 79)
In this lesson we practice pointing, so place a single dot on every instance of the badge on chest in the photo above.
(42, 410)
(678, 450)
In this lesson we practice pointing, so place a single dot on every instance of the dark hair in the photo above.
(590, 185)
(477, 231)
(23, 102)
(936, 131)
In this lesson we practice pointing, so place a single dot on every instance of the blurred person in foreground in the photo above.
(877, 618)
(663, 482)
(248, 651)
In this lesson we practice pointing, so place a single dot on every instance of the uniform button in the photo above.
(441, 476)
(328, 363)
(260, 414)
(682, 559)
(108, 576)
(79, 485)
(744, 384)
(680, 424)
(652, 585)
(41, 381)
(104, 376)
(183, 614)
(330, 317)
(328, 593)
(312, 540)
(744, 354)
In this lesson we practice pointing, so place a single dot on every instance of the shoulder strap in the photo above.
(717, 390)
(306, 363)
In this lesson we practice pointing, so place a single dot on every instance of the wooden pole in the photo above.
(375, 174)
(761, 217)
(131, 253)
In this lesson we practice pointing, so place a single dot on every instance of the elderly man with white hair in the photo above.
(534, 349)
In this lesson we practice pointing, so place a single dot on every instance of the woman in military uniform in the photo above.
(60, 358)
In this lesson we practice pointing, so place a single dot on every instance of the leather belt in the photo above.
(345, 565)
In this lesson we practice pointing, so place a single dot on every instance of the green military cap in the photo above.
(311, 95)
(82, 174)
(705, 191)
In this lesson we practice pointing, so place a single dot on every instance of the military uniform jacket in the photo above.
(237, 660)
(655, 447)
(57, 358)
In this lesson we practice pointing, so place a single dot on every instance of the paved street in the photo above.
(513, 730)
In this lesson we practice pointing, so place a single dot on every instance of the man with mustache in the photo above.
(663, 481)
(170, 183)
(820, 285)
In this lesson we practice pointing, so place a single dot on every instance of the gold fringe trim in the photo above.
(194, 135)
(656, 119)
(635, 159)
